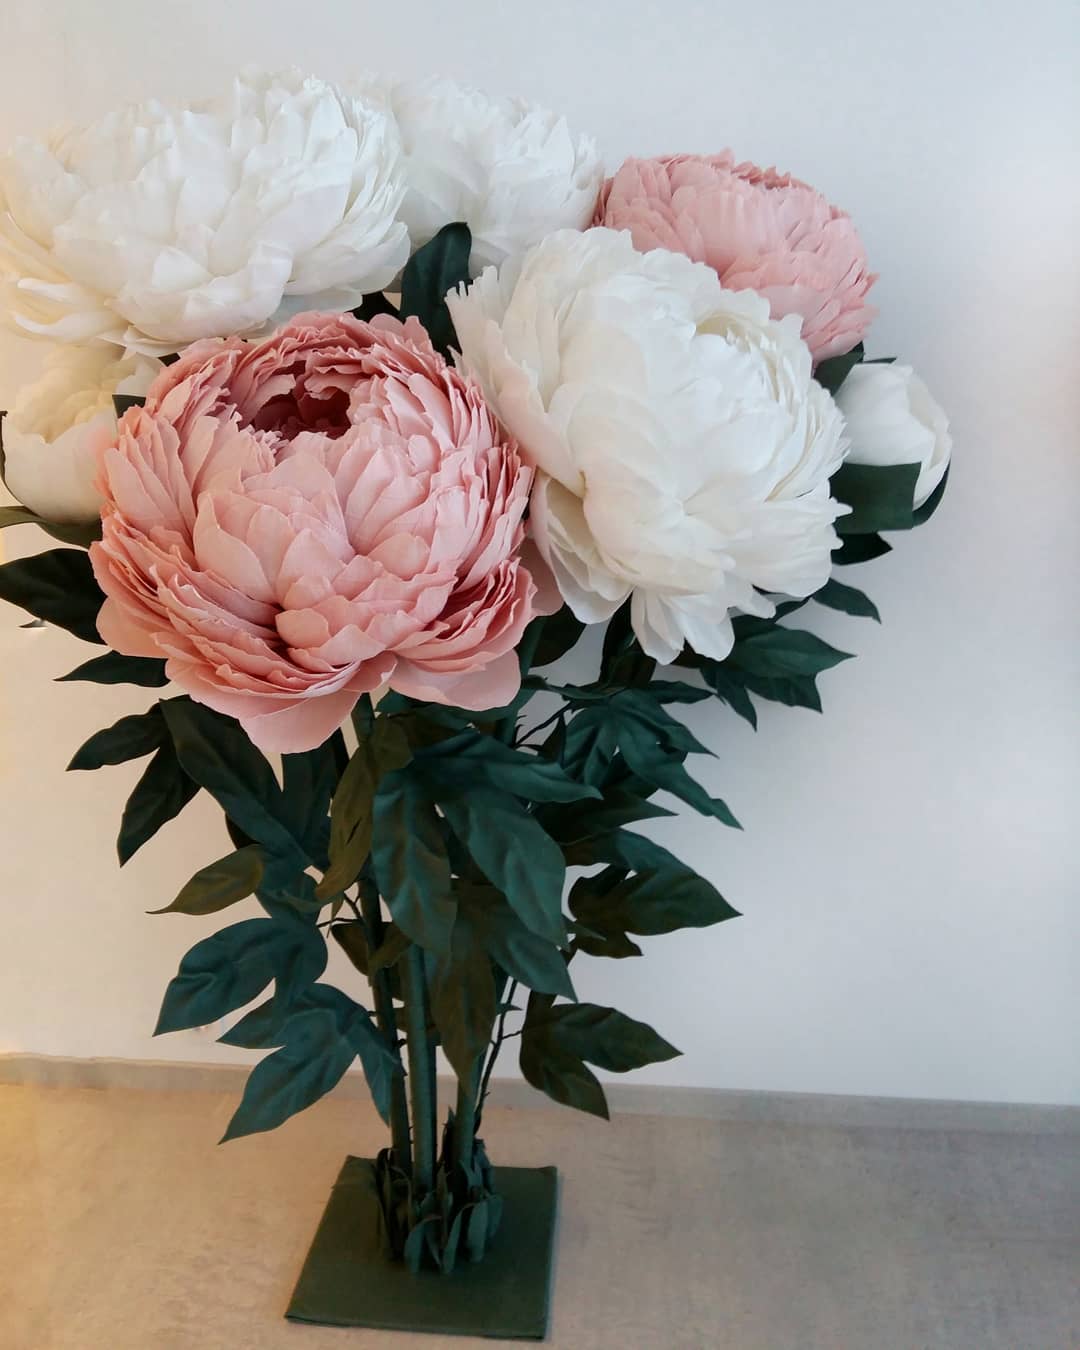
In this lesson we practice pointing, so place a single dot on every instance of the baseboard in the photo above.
(720, 1104)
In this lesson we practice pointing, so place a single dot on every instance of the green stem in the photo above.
(464, 1137)
(500, 1037)
(422, 1091)
(386, 1019)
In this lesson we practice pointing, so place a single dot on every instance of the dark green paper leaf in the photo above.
(533, 962)
(352, 815)
(112, 668)
(860, 548)
(81, 536)
(222, 973)
(411, 866)
(131, 738)
(834, 370)
(215, 751)
(514, 853)
(220, 884)
(158, 797)
(462, 988)
(848, 600)
(440, 266)
(780, 653)
(57, 587)
(880, 496)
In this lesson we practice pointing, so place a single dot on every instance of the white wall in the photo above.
(907, 874)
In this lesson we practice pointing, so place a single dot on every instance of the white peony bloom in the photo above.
(684, 451)
(512, 171)
(52, 434)
(892, 418)
(157, 225)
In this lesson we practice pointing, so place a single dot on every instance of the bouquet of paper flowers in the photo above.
(360, 407)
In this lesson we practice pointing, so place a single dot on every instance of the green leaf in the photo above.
(667, 772)
(555, 635)
(130, 738)
(463, 1003)
(529, 959)
(58, 587)
(373, 305)
(215, 751)
(800, 691)
(848, 600)
(617, 807)
(82, 536)
(923, 513)
(112, 668)
(122, 402)
(514, 853)
(880, 496)
(351, 937)
(220, 884)
(158, 797)
(440, 266)
(352, 816)
(390, 950)
(590, 745)
(311, 1062)
(860, 548)
(555, 1071)
(638, 705)
(674, 691)
(663, 900)
(834, 370)
(308, 781)
(411, 866)
(729, 688)
(601, 1036)
(222, 973)
(780, 653)
(614, 946)
(622, 661)
(259, 1029)
(471, 757)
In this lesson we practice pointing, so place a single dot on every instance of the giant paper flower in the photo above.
(512, 171)
(758, 230)
(158, 225)
(52, 431)
(294, 522)
(684, 451)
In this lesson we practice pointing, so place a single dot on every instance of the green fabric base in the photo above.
(348, 1280)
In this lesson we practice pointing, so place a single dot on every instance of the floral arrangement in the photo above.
(360, 406)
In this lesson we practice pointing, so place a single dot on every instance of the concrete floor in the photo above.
(124, 1227)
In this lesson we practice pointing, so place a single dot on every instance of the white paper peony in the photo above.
(892, 418)
(512, 171)
(157, 225)
(51, 435)
(684, 449)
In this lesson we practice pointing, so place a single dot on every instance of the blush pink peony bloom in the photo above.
(294, 522)
(759, 230)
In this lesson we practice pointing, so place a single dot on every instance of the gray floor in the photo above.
(123, 1227)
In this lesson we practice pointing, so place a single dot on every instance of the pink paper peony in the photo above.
(758, 229)
(294, 522)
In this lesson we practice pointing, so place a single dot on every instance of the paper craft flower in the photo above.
(683, 450)
(158, 225)
(758, 230)
(52, 431)
(892, 418)
(513, 172)
(294, 522)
